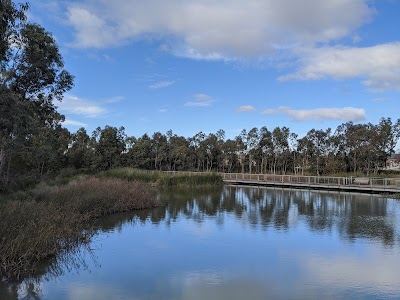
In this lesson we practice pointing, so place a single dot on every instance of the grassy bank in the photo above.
(165, 179)
(50, 220)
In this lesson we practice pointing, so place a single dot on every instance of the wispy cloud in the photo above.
(200, 100)
(163, 110)
(320, 114)
(245, 108)
(161, 84)
(202, 97)
(77, 106)
(115, 99)
(74, 123)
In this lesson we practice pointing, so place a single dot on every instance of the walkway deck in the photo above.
(354, 184)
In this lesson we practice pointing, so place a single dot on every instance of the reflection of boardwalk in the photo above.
(372, 185)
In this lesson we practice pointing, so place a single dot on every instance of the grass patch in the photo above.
(50, 220)
(165, 179)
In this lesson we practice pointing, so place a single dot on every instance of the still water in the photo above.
(238, 243)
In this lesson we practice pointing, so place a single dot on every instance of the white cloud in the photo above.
(202, 97)
(163, 110)
(74, 123)
(245, 108)
(115, 99)
(320, 114)
(74, 105)
(216, 29)
(161, 84)
(377, 66)
(200, 100)
(91, 30)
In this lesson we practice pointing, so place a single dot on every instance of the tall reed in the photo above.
(165, 179)
(51, 220)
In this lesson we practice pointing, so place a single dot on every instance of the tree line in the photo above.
(359, 148)
(34, 144)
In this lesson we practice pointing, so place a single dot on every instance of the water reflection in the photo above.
(352, 215)
(233, 243)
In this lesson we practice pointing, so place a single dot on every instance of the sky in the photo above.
(204, 65)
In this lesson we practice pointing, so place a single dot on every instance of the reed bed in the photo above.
(51, 220)
(165, 179)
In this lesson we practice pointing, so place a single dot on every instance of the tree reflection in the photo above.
(352, 215)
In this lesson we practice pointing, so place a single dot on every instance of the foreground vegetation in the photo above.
(50, 220)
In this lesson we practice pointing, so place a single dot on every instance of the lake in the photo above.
(236, 243)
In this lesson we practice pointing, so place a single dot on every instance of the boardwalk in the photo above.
(355, 184)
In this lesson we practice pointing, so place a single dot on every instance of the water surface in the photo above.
(238, 243)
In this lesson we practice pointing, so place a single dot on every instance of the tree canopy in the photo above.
(32, 76)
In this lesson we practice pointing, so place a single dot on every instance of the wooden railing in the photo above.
(390, 184)
(381, 183)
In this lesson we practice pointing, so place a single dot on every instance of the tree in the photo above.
(318, 141)
(80, 151)
(32, 76)
(141, 152)
(159, 149)
(109, 146)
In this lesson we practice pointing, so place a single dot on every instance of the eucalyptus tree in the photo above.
(241, 148)
(178, 153)
(80, 152)
(266, 147)
(230, 155)
(304, 153)
(140, 153)
(388, 134)
(32, 76)
(220, 157)
(293, 145)
(159, 150)
(252, 141)
(319, 146)
(280, 141)
(109, 145)
(197, 145)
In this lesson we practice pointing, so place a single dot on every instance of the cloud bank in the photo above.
(286, 32)
(216, 29)
(379, 66)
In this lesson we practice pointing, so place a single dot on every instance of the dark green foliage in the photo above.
(32, 76)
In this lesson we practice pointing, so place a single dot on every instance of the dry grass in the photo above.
(52, 220)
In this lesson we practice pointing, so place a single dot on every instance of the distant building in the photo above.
(393, 162)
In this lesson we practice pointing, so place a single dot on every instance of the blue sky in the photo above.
(202, 65)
